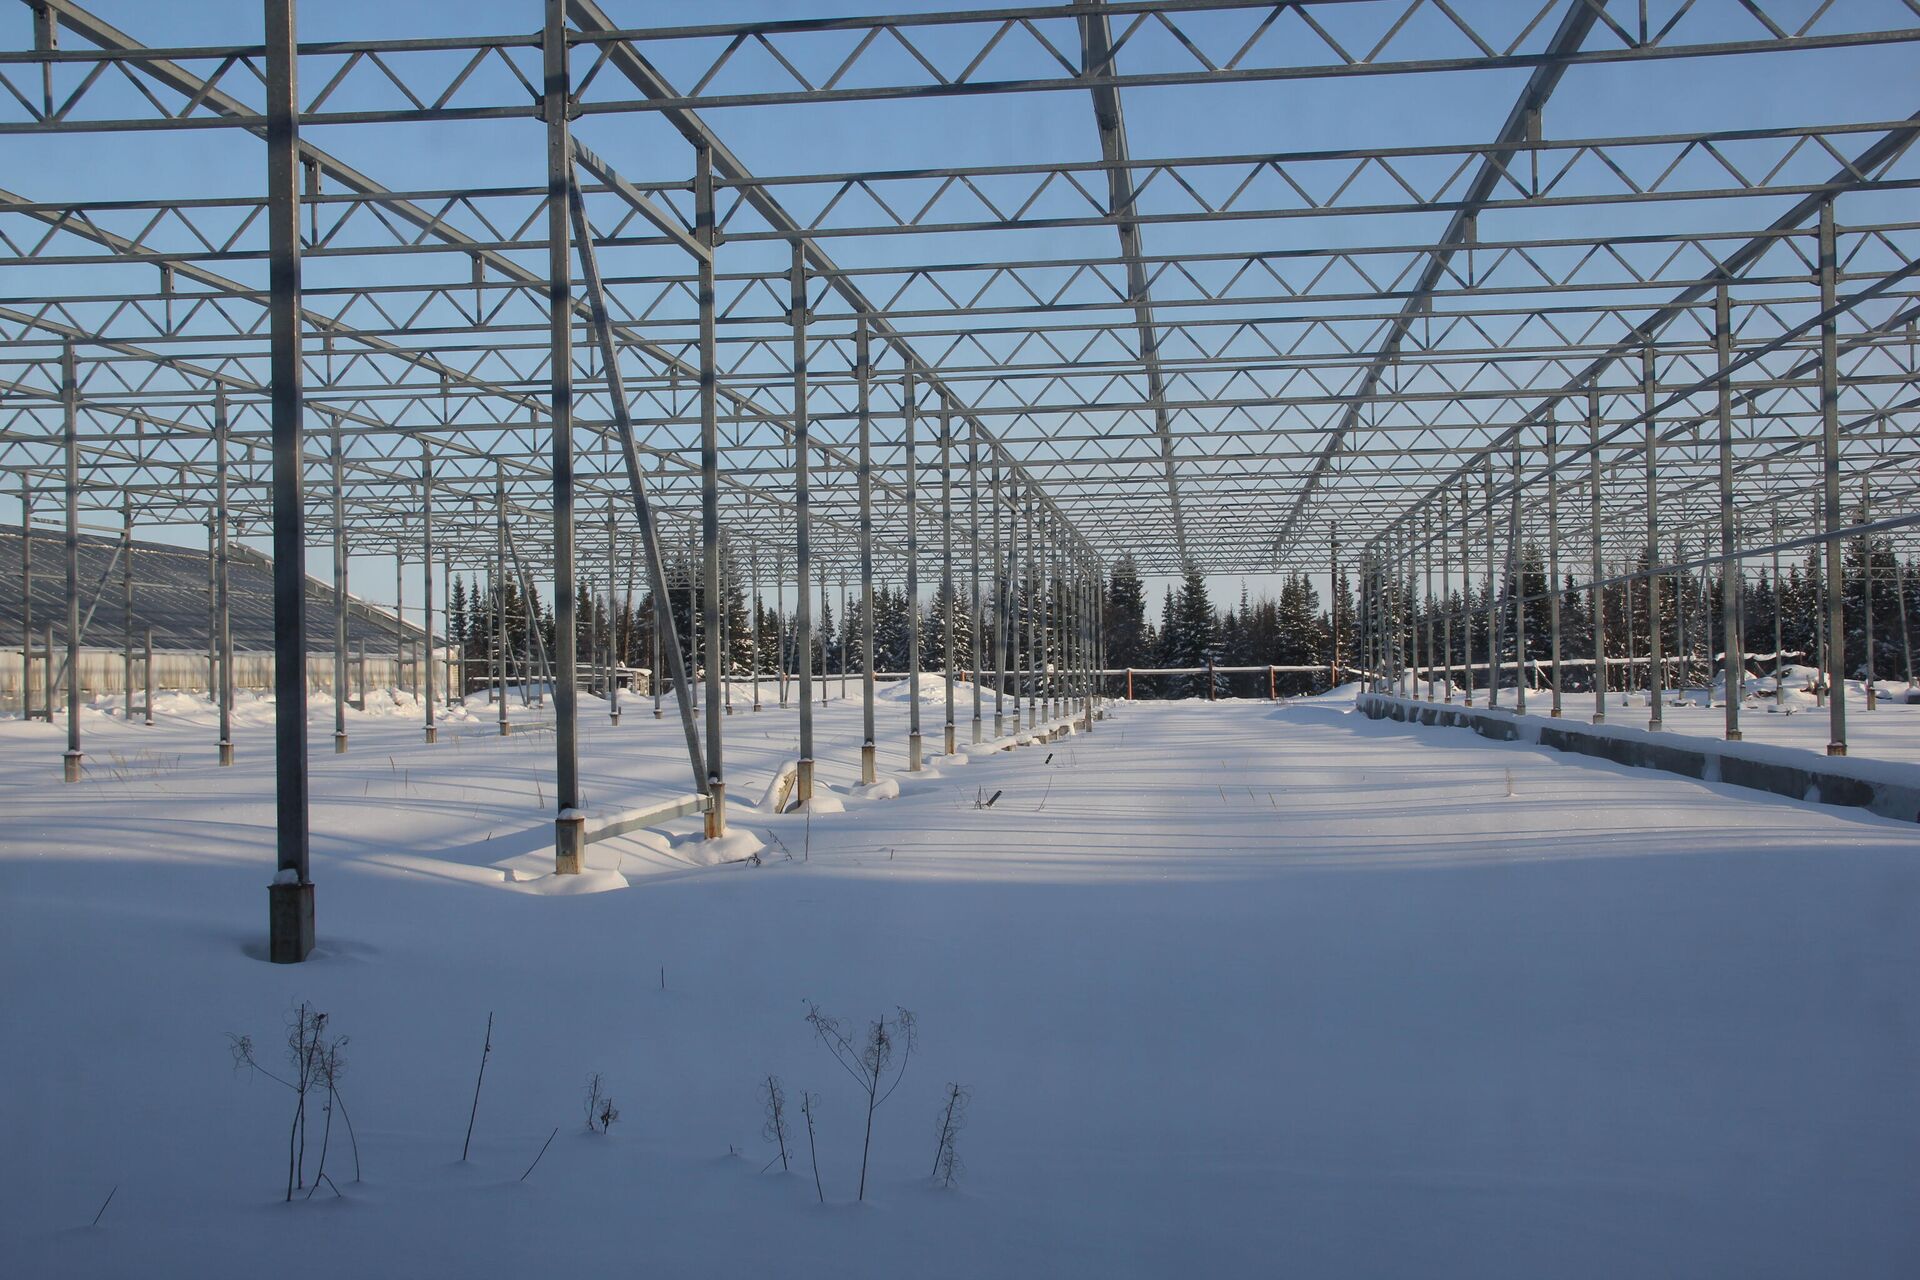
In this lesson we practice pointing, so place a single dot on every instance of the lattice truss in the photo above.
(1460, 228)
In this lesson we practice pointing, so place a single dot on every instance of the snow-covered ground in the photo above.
(1239, 990)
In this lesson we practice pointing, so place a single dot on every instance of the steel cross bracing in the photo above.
(1298, 385)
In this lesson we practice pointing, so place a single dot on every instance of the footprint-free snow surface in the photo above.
(1238, 990)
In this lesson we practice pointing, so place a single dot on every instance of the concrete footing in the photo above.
(569, 844)
(339, 744)
(915, 753)
(1798, 774)
(950, 744)
(802, 781)
(979, 731)
(226, 753)
(71, 766)
(869, 768)
(289, 922)
(433, 734)
(716, 817)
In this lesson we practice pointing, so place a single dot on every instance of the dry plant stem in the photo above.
(543, 1151)
(485, 1049)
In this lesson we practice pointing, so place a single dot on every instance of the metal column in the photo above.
(1656, 667)
(339, 591)
(569, 831)
(802, 529)
(290, 910)
(997, 607)
(946, 566)
(1494, 586)
(1830, 490)
(863, 375)
(1593, 527)
(126, 604)
(70, 406)
(1553, 554)
(499, 595)
(426, 593)
(1733, 662)
(915, 746)
(1517, 578)
(26, 598)
(976, 638)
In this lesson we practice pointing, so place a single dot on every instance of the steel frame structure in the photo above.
(1697, 336)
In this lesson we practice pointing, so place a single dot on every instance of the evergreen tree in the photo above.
(1190, 637)
(1129, 640)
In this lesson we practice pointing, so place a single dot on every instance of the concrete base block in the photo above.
(433, 734)
(869, 771)
(949, 740)
(716, 816)
(999, 724)
(979, 731)
(915, 753)
(614, 716)
(569, 845)
(71, 769)
(802, 782)
(289, 922)
(503, 728)
(226, 753)
(339, 744)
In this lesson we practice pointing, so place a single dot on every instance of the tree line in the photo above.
(1296, 630)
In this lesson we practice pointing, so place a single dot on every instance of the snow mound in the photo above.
(592, 880)
(736, 846)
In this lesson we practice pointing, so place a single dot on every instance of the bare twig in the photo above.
(485, 1050)
(543, 1151)
(103, 1206)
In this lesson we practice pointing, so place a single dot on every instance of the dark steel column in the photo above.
(1494, 586)
(1733, 662)
(426, 594)
(1656, 666)
(1446, 610)
(975, 636)
(863, 375)
(291, 895)
(613, 622)
(339, 592)
(711, 631)
(222, 639)
(996, 607)
(1553, 553)
(1598, 567)
(126, 605)
(802, 528)
(946, 565)
(26, 598)
(70, 406)
(1830, 491)
(915, 746)
(569, 823)
(1517, 577)
(500, 632)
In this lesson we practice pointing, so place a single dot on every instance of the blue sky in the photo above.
(991, 129)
